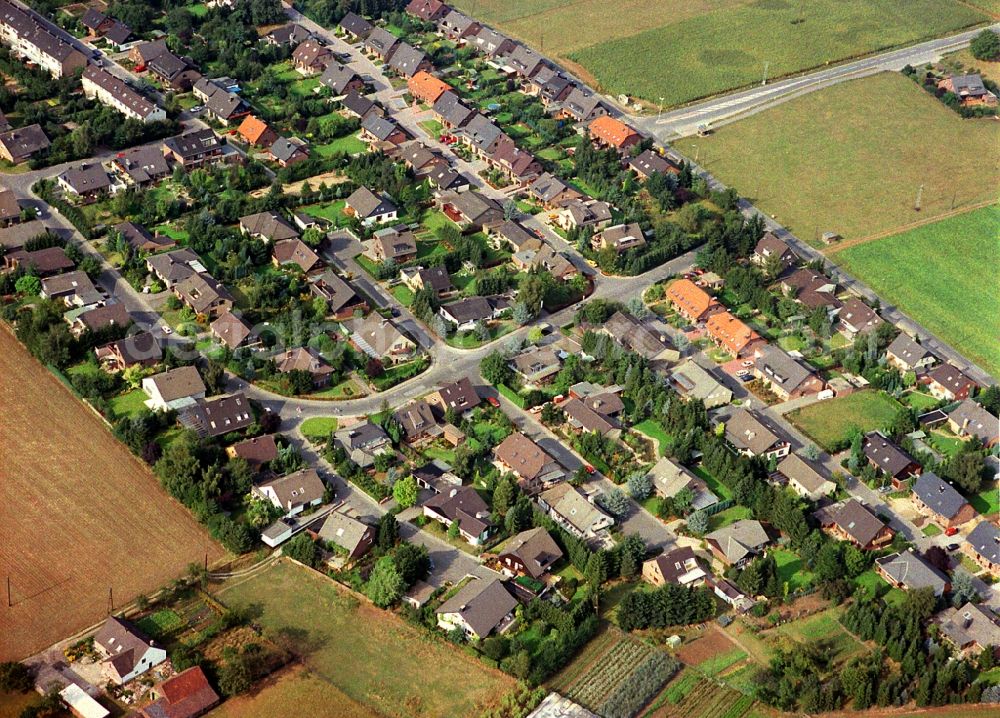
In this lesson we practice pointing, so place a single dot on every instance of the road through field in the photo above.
(82, 521)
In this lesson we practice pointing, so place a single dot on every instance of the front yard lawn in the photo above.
(931, 530)
(432, 128)
(829, 422)
(318, 427)
(403, 294)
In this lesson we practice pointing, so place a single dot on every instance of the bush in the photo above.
(15, 677)
(986, 46)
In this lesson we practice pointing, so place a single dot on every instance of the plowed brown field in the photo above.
(79, 515)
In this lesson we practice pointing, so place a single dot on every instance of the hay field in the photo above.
(78, 512)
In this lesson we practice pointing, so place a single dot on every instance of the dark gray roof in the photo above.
(381, 41)
(974, 419)
(368, 204)
(858, 522)
(356, 25)
(465, 505)
(649, 163)
(482, 603)
(470, 309)
(87, 178)
(938, 495)
(536, 549)
(337, 77)
(884, 454)
(354, 103)
(481, 132)
(193, 143)
(290, 34)
(985, 539)
(380, 128)
(968, 85)
(284, 149)
(335, 290)
(913, 571)
(906, 349)
(406, 60)
(450, 108)
(781, 368)
(581, 103)
(547, 187)
(143, 164)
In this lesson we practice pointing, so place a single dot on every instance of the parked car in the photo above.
(493, 401)
(953, 547)
(748, 363)
(950, 531)
(589, 469)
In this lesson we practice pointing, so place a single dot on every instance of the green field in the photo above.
(954, 293)
(829, 422)
(370, 655)
(683, 50)
(828, 162)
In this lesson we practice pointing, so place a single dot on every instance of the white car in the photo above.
(748, 363)
(167, 330)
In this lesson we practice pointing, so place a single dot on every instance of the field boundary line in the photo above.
(848, 244)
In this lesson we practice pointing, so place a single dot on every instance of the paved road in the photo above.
(730, 107)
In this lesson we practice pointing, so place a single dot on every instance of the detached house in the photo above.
(786, 377)
(574, 512)
(748, 436)
(970, 419)
(911, 572)
(435, 278)
(311, 57)
(737, 544)
(458, 396)
(982, 545)
(127, 653)
(355, 537)
(307, 360)
(341, 300)
(291, 34)
(465, 506)
(218, 416)
(650, 163)
(382, 131)
(969, 89)
(141, 166)
(449, 109)
(552, 192)
(534, 468)
(804, 478)
(380, 339)
(287, 152)
(407, 61)
(670, 478)
(537, 364)
(341, 79)
(480, 608)
(417, 420)
(355, 27)
(363, 442)
(679, 567)
(173, 389)
(529, 553)
(87, 182)
(852, 521)
(457, 26)
(140, 349)
(770, 249)
(370, 208)
(424, 87)
(256, 132)
(396, 244)
(620, 237)
(906, 355)
(949, 383)
(970, 629)
(427, 10)
(195, 149)
(856, 318)
(889, 460)
(23, 143)
(268, 226)
(381, 43)
(204, 294)
(295, 252)
(186, 695)
(582, 105)
(294, 493)
(936, 498)
(577, 214)
(692, 382)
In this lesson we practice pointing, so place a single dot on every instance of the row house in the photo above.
(732, 335)
(692, 302)
(32, 37)
(109, 90)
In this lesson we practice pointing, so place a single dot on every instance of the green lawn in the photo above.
(349, 144)
(790, 570)
(175, 233)
(130, 403)
(318, 427)
(403, 294)
(792, 159)
(432, 128)
(729, 516)
(350, 646)
(875, 584)
(931, 530)
(918, 400)
(334, 211)
(654, 430)
(717, 487)
(953, 293)
(987, 501)
(829, 422)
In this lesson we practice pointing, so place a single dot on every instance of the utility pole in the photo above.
(920, 195)
(661, 106)
(764, 80)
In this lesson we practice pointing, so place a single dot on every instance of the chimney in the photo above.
(966, 619)
(453, 492)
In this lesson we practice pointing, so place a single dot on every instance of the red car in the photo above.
(589, 469)
(950, 531)
(493, 401)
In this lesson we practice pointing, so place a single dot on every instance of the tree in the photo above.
(385, 586)
(697, 523)
(503, 496)
(521, 314)
(405, 492)
(454, 530)
(596, 571)
(615, 502)
(495, 370)
(962, 590)
(990, 399)
(29, 285)
(15, 677)
(412, 562)
(388, 532)
(640, 486)
(966, 469)
(986, 46)
(303, 549)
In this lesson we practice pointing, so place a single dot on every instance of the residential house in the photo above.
(371, 208)
(417, 420)
(738, 543)
(620, 237)
(649, 163)
(204, 294)
(185, 695)
(107, 89)
(173, 389)
(537, 364)
(427, 10)
(436, 476)
(420, 159)
(407, 61)
(534, 468)
(424, 87)
(491, 43)
(786, 377)
(582, 105)
(970, 629)
(86, 182)
(354, 537)
(446, 180)
(678, 566)
(256, 451)
(609, 132)
(382, 131)
(547, 259)
(23, 143)
(911, 572)
(579, 214)
(949, 383)
(692, 302)
(732, 335)
(307, 360)
(173, 71)
(195, 149)
(480, 134)
(32, 37)
(363, 442)
(670, 478)
(395, 244)
(804, 478)
(297, 252)
(458, 396)
(550, 86)
(14, 236)
(341, 79)
(466, 313)
(287, 152)
(268, 226)
(380, 338)
(692, 382)
(218, 416)
(552, 192)
(294, 493)
(480, 608)
(856, 317)
(74, 288)
(436, 278)
(354, 105)
(96, 318)
(581, 417)
(126, 652)
(982, 545)
(96, 21)
(50, 260)
(771, 249)
(465, 506)
(140, 349)
(889, 460)
(256, 132)
(141, 166)
(355, 27)
(173, 267)
(574, 512)
(341, 300)
(450, 111)
(812, 290)
(852, 521)
(518, 166)
(936, 498)
(458, 26)
(970, 419)
(906, 355)
(380, 43)
(291, 35)
(311, 57)
(513, 235)
(141, 54)
(10, 208)
(969, 89)
(529, 553)
(639, 337)
(748, 436)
